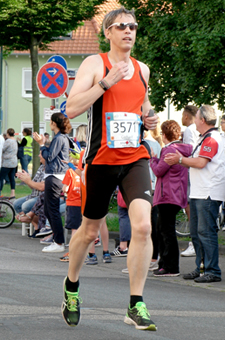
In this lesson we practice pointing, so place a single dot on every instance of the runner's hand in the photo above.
(150, 123)
(117, 72)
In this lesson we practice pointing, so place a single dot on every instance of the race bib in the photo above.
(123, 129)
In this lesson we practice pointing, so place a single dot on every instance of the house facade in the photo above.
(17, 112)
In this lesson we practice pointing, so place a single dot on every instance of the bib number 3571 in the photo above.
(123, 129)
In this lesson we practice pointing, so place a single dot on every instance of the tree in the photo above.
(183, 43)
(32, 24)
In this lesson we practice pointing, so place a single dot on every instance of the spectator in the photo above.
(47, 140)
(9, 161)
(190, 136)
(125, 228)
(154, 144)
(71, 189)
(26, 144)
(2, 141)
(36, 216)
(207, 192)
(55, 170)
(24, 204)
(170, 196)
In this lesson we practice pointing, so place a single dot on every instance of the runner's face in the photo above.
(124, 39)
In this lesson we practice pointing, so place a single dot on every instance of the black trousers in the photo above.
(53, 188)
(155, 240)
(168, 245)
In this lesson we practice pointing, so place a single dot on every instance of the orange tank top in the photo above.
(127, 96)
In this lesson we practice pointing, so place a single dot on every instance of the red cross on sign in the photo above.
(52, 80)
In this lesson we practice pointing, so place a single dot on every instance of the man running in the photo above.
(115, 88)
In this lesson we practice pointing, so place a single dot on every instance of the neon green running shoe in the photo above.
(71, 306)
(139, 317)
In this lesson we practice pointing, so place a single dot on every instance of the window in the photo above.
(27, 83)
(74, 127)
(29, 125)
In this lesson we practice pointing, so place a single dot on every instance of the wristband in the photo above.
(180, 160)
(72, 166)
(103, 85)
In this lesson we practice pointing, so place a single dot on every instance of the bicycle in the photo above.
(182, 224)
(7, 213)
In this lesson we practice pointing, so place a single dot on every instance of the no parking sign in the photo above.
(52, 80)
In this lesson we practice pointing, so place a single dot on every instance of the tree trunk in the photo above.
(35, 101)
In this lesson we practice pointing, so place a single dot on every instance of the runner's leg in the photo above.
(140, 249)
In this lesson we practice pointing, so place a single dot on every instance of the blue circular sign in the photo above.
(63, 108)
(58, 59)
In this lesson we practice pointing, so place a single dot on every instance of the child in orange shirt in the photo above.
(71, 188)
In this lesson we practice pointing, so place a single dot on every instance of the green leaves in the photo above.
(183, 43)
(21, 19)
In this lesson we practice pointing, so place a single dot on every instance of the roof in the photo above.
(84, 40)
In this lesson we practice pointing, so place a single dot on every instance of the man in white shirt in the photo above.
(190, 136)
(207, 177)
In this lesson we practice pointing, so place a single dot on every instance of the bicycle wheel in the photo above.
(182, 224)
(7, 214)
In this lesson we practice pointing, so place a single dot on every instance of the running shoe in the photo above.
(139, 317)
(47, 240)
(91, 260)
(125, 271)
(65, 258)
(97, 242)
(190, 251)
(71, 306)
(154, 265)
(34, 235)
(119, 252)
(162, 272)
(54, 248)
(107, 258)
(44, 232)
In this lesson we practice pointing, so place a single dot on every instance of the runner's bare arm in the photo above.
(150, 123)
(86, 90)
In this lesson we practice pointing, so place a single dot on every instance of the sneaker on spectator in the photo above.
(54, 248)
(107, 258)
(35, 234)
(223, 229)
(47, 239)
(162, 272)
(119, 252)
(97, 242)
(65, 258)
(125, 271)
(190, 251)
(154, 265)
(91, 260)
(139, 317)
(44, 232)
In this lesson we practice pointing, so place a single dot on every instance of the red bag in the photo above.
(120, 200)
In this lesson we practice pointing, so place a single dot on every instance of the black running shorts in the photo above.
(101, 180)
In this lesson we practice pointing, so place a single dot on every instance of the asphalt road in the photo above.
(31, 297)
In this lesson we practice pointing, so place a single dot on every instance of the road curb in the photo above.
(115, 236)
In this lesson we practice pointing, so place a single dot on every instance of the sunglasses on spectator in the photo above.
(123, 25)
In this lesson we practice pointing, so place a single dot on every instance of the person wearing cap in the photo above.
(207, 178)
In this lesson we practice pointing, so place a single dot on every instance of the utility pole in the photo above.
(1, 57)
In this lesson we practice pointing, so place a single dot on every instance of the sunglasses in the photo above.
(123, 25)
